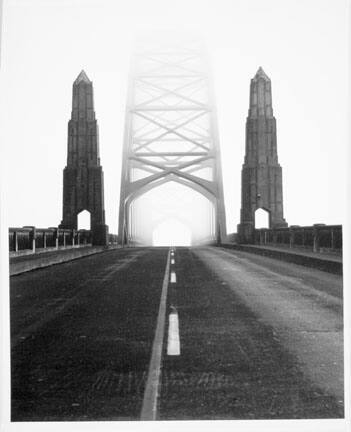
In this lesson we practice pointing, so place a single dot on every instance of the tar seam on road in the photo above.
(149, 407)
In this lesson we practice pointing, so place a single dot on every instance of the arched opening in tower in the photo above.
(171, 214)
(171, 232)
(84, 220)
(261, 218)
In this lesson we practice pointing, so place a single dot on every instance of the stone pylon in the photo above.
(83, 178)
(261, 185)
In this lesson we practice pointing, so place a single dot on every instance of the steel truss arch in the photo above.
(171, 130)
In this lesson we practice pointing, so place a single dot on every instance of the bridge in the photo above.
(216, 326)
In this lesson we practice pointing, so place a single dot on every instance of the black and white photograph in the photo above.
(175, 215)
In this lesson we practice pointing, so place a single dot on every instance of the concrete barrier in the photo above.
(317, 238)
(25, 263)
(29, 239)
(331, 265)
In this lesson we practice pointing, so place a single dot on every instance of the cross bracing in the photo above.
(170, 131)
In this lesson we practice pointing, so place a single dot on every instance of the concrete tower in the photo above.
(261, 185)
(83, 181)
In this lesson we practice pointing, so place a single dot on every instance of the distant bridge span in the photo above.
(171, 131)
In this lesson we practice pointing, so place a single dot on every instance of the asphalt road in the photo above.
(215, 334)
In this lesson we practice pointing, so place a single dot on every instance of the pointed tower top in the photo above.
(261, 74)
(82, 77)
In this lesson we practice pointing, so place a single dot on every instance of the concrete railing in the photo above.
(317, 238)
(29, 239)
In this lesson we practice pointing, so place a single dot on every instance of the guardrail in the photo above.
(30, 239)
(318, 238)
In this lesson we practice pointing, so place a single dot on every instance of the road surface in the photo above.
(203, 333)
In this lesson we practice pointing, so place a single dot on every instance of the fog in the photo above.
(171, 168)
(302, 46)
(172, 214)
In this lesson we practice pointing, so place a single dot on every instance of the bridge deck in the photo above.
(259, 338)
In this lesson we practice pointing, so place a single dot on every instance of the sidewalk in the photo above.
(323, 261)
(24, 263)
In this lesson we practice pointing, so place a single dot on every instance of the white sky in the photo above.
(301, 44)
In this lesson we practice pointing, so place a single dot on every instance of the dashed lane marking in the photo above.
(173, 346)
(149, 407)
(173, 277)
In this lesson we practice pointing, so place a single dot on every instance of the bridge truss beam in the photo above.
(170, 131)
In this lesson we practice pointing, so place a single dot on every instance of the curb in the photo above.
(323, 264)
(27, 263)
